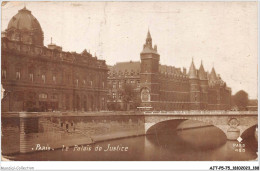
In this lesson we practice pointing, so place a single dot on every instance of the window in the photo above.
(120, 84)
(84, 82)
(103, 103)
(3, 73)
(114, 84)
(43, 78)
(103, 84)
(54, 78)
(77, 82)
(120, 96)
(132, 81)
(114, 95)
(18, 75)
(91, 83)
(31, 77)
(43, 96)
(55, 96)
(138, 83)
(68, 78)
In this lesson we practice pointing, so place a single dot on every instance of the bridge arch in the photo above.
(150, 128)
(233, 125)
(250, 131)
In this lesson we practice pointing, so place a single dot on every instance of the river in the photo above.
(200, 144)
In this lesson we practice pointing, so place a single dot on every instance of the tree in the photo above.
(240, 99)
(129, 96)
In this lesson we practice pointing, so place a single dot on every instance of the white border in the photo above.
(118, 165)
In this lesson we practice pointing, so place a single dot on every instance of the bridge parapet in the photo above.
(204, 112)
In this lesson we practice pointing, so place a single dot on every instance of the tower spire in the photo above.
(193, 70)
(149, 34)
(201, 73)
(149, 39)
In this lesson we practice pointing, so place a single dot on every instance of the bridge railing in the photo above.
(107, 113)
(196, 112)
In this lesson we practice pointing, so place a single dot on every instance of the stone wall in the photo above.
(22, 134)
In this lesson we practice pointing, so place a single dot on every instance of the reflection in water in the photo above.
(201, 144)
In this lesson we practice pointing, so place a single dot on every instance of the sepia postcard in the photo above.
(130, 81)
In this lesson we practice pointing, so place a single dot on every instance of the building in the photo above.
(39, 78)
(124, 76)
(162, 87)
(252, 105)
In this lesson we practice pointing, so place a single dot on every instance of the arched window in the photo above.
(43, 96)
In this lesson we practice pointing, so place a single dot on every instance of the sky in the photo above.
(220, 34)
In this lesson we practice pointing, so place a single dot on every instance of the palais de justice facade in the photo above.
(39, 78)
(162, 87)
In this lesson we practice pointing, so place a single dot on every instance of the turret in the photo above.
(193, 71)
(194, 88)
(213, 75)
(203, 87)
(201, 73)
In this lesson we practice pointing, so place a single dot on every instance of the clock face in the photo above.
(145, 95)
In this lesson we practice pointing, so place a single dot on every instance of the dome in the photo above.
(25, 27)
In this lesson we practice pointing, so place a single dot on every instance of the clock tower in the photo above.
(149, 75)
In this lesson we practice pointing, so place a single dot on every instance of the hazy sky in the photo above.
(223, 33)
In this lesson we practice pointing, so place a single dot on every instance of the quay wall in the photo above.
(21, 133)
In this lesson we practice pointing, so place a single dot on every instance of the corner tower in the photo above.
(149, 75)
(194, 88)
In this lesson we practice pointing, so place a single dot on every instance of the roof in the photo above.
(24, 20)
(149, 35)
(169, 69)
(148, 46)
(135, 66)
(126, 66)
(192, 71)
(148, 49)
(213, 75)
(201, 73)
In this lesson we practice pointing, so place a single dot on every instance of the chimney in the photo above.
(184, 71)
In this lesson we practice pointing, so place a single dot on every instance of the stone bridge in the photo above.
(232, 123)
